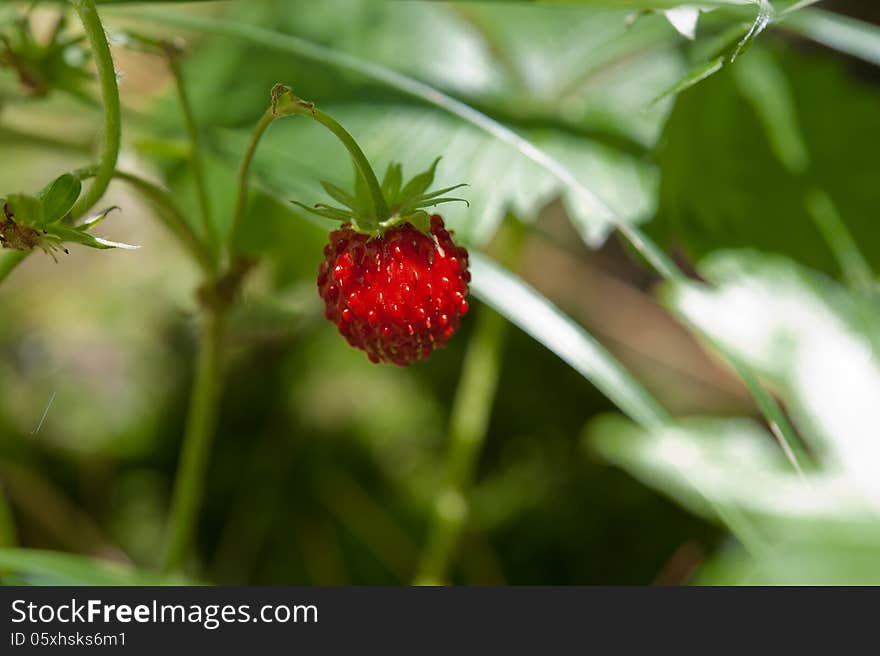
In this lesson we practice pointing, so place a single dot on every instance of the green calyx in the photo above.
(405, 201)
(43, 221)
(372, 207)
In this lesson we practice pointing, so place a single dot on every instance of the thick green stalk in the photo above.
(467, 432)
(88, 14)
(195, 156)
(200, 427)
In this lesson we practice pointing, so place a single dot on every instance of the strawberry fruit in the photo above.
(393, 281)
(397, 296)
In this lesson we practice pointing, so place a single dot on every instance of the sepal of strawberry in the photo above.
(405, 203)
(372, 208)
(43, 221)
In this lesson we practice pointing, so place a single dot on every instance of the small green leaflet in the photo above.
(58, 197)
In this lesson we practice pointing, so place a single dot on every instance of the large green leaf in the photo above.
(498, 180)
(578, 98)
(740, 179)
(817, 345)
(730, 469)
(791, 530)
(807, 336)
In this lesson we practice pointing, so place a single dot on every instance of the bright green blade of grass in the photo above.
(56, 568)
(537, 316)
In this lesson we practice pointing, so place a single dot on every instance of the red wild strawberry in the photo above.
(398, 296)
(392, 280)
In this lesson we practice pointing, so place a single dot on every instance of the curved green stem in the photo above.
(173, 219)
(88, 14)
(195, 157)
(168, 214)
(380, 207)
(285, 103)
(201, 424)
(243, 174)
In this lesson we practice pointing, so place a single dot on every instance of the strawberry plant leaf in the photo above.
(469, 154)
(729, 470)
(59, 196)
(326, 212)
(701, 198)
(77, 236)
(392, 181)
(601, 183)
(431, 202)
(418, 185)
(696, 75)
(341, 195)
(440, 192)
(811, 335)
(90, 223)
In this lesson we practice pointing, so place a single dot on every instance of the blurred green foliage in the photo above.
(325, 467)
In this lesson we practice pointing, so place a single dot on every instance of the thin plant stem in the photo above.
(207, 385)
(200, 427)
(469, 423)
(173, 219)
(167, 212)
(8, 537)
(284, 103)
(467, 432)
(195, 156)
(205, 397)
(94, 30)
(243, 175)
